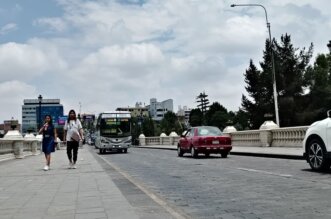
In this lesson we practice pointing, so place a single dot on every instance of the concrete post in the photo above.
(172, 136)
(162, 136)
(266, 134)
(17, 144)
(31, 140)
(142, 140)
(228, 130)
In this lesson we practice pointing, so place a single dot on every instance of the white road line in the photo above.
(176, 213)
(265, 172)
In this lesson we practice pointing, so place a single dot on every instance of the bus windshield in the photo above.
(115, 127)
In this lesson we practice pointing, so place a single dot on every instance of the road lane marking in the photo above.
(265, 172)
(176, 213)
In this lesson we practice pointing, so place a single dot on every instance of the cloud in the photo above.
(8, 28)
(55, 24)
(107, 54)
(12, 95)
(21, 61)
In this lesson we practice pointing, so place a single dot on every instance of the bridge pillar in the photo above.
(142, 140)
(17, 142)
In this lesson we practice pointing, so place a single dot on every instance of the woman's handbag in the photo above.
(75, 136)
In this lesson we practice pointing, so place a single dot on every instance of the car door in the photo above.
(190, 137)
(184, 140)
(328, 135)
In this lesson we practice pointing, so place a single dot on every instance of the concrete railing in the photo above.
(162, 140)
(267, 136)
(13, 145)
(276, 137)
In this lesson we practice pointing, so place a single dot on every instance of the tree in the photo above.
(217, 115)
(148, 127)
(203, 102)
(196, 117)
(318, 81)
(170, 123)
(290, 68)
(260, 101)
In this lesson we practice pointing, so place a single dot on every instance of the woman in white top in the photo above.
(73, 133)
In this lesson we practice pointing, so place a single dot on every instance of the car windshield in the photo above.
(209, 131)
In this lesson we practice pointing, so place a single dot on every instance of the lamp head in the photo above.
(329, 45)
(40, 98)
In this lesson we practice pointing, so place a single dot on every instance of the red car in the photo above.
(204, 139)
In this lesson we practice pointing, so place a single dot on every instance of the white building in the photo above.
(158, 109)
(184, 113)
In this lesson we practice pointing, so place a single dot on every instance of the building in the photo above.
(87, 120)
(158, 109)
(183, 115)
(33, 113)
(9, 125)
(137, 111)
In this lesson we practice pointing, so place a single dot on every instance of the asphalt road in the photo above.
(233, 187)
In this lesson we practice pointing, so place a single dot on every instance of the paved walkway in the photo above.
(27, 191)
(277, 152)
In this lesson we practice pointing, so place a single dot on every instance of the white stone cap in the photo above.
(268, 125)
(141, 136)
(39, 137)
(30, 137)
(13, 135)
(229, 129)
(173, 134)
(163, 135)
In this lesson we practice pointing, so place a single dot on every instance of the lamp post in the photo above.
(272, 57)
(40, 99)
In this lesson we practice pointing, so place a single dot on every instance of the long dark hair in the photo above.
(71, 111)
(50, 122)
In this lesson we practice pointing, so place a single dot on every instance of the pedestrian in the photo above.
(72, 135)
(49, 140)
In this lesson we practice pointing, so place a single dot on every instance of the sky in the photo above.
(97, 55)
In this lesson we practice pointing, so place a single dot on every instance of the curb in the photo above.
(252, 154)
(280, 156)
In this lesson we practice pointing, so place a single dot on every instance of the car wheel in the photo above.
(194, 152)
(224, 154)
(125, 150)
(180, 153)
(100, 151)
(317, 155)
(207, 154)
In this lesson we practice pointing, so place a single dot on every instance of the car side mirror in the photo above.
(328, 113)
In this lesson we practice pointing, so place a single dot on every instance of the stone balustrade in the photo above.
(276, 137)
(269, 135)
(13, 145)
(162, 140)
(246, 138)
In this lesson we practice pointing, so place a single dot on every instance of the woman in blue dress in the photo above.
(49, 140)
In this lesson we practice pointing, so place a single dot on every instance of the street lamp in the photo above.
(40, 99)
(272, 57)
(329, 46)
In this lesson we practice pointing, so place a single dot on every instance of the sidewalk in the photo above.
(27, 191)
(275, 152)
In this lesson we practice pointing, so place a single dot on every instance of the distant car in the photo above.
(204, 139)
(317, 144)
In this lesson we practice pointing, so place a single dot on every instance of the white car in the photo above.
(317, 144)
